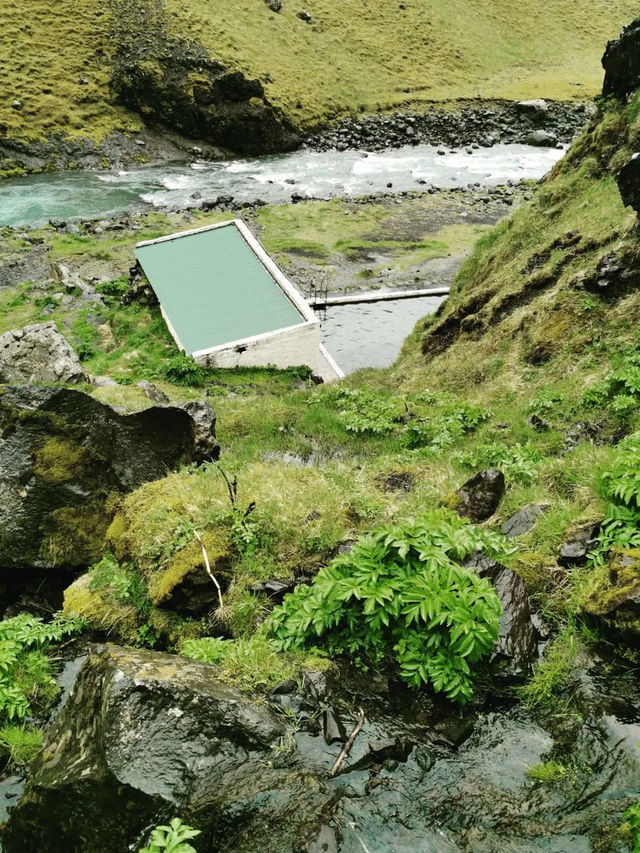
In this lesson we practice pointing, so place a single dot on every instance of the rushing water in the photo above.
(370, 334)
(85, 195)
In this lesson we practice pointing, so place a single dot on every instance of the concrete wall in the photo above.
(290, 348)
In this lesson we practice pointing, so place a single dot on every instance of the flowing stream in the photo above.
(35, 199)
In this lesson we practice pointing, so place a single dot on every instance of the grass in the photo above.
(353, 58)
(21, 743)
(549, 772)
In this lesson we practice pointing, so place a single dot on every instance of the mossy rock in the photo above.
(184, 585)
(612, 592)
(74, 536)
(102, 610)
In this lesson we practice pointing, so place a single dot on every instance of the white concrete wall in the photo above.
(290, 348)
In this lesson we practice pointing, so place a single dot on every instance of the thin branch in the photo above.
(232, 486)
(208, 568)
(346, 749)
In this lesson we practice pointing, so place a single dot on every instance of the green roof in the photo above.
(214, 289)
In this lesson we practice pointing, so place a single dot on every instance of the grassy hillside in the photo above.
(353, 56)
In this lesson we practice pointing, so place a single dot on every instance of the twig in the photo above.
(346, 749)
(208, 568)
(232, 486)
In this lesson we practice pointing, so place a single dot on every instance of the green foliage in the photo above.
(401, 594)
(446, 427)
(25, 672)
(620, 389)
(516, 461)
(173, 838)
(550, 771)
(367, 412)
(125, 585)
(22, 744)
(632, 817)
(183, 370)
(620, 486)
(551, 675)
(114, 290)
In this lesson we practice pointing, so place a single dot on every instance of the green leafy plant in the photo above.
(552, 673)
(25, 671)
(620, 389)
(402, 595)
(620, 485)
(183, 370)
(173, 838)
(22, 743)
(549, 772)
(516, 461)
(366, 412)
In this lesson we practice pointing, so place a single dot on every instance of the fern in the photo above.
(402, 595)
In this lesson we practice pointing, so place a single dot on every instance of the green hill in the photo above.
(68, 69)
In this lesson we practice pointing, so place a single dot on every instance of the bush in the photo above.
(183, 370)
(21, 743)
(173, 838)
(517, 462)
(620, 486)
(401, 595)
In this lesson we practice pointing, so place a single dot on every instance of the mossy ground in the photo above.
(353, 57)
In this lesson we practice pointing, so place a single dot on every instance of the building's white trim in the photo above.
(188, 233)
(174, 334)
(264, 336)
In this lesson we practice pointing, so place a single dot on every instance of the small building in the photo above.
(228, 304)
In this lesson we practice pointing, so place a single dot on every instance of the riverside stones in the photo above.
(38, 353)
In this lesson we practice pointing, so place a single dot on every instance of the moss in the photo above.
(608, 587)
(75, 536)
(188, 562)
(60, 459)
(102, 611)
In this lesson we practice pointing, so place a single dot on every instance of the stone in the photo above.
(621, 62)
(145, 735)
(614, 594)
(16, 104)
(58, 224)
(480, 496)
(628, 180)
(324, 842)
(38, 353)
(305, 16)
(274, 5)
(524, 520)
(537, 109)
(386, 747)
(541, 139)
(104, 382)
(333, 729)
(152, 392)
(517, 637)
(62, 455)
(574, 551)
(71, 281)
(203, 417)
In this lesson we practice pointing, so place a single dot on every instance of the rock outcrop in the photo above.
(628, 180)
(38, 353)
(479, 497)
(621, 62)
(145, 736)
(64, 458)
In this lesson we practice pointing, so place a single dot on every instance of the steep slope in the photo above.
(67, 71)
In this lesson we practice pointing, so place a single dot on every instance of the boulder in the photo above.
(206, 448)
(64, 457)
(541, 139)
(613, 594)
(537, 110)
(38, 353)
(621, 62)
(628, 180)
(145, 736)
(480, 496)
(517, 636)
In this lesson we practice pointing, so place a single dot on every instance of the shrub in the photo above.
(620, 389)
(172, 838)
(21, 743)
(401, 595)
(183, 370)
(516, 461)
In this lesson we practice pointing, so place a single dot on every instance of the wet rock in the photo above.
(614, 594)
(203, 417)
(542, 139)
(152, 392)
(63, 453)
(621, 62)
(389, 748)
(628, 180)
(517, 639)
(574, 551)
(524, 520)
(141, 734)
(480, 496)
(38, 353)
(333, 729)
(325, 841)
(314, 685)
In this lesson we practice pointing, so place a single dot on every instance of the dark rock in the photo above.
(385, 748)
(524, 520)
(574, 551)
(153, 393)
(480, 496)
(203, 417)
(38, 353)
(333, 728)
(58, 224)
(305, 16)
(621, 62)
(616, 273)
(142, 734)
(62, 454)
(538, 423)
(628, 180)
(314, 685)
(397, 481)
(277, 589)
(274, 5)
(517, 638)
(285, 688)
